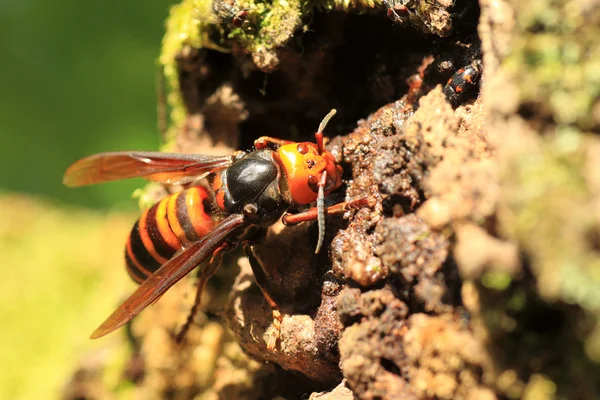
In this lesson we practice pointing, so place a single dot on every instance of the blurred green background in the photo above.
(77, 77)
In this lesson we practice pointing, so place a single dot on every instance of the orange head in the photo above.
(311, 173)
(304, 166)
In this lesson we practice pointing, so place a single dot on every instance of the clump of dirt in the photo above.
(471, 274)
(372, 356)
(251, 320)
(415, 256)
(412, 162)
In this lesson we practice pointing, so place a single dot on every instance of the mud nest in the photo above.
(474, 273)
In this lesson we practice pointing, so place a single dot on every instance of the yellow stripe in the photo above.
(163, 224)
(172, 217)
(201, 221)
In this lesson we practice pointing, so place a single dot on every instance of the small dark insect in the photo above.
(463, 83)
(240, 197)
(398, 12)
(430, 17)
(228, 12)
(407, 13)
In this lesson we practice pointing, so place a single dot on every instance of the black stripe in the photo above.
(208, 205)
(133, 271)
(139, 250)
(160, 245)
(184, 218)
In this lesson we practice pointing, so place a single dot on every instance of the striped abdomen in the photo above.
(165, 228)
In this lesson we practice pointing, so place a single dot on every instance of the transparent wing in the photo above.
(171, 168)
(169, 274)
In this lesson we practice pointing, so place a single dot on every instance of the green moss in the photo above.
(557, 57)
(279, 23)
(354, 5)
(270, 25)
(183, 28)
(552, 204)
(552, 219)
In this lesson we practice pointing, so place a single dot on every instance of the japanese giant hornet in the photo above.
(227, 199)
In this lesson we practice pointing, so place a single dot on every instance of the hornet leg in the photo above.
(312, 213)
(261, 281)
(205, 275)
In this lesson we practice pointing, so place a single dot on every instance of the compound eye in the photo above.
(302, 148)
(313, 183)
